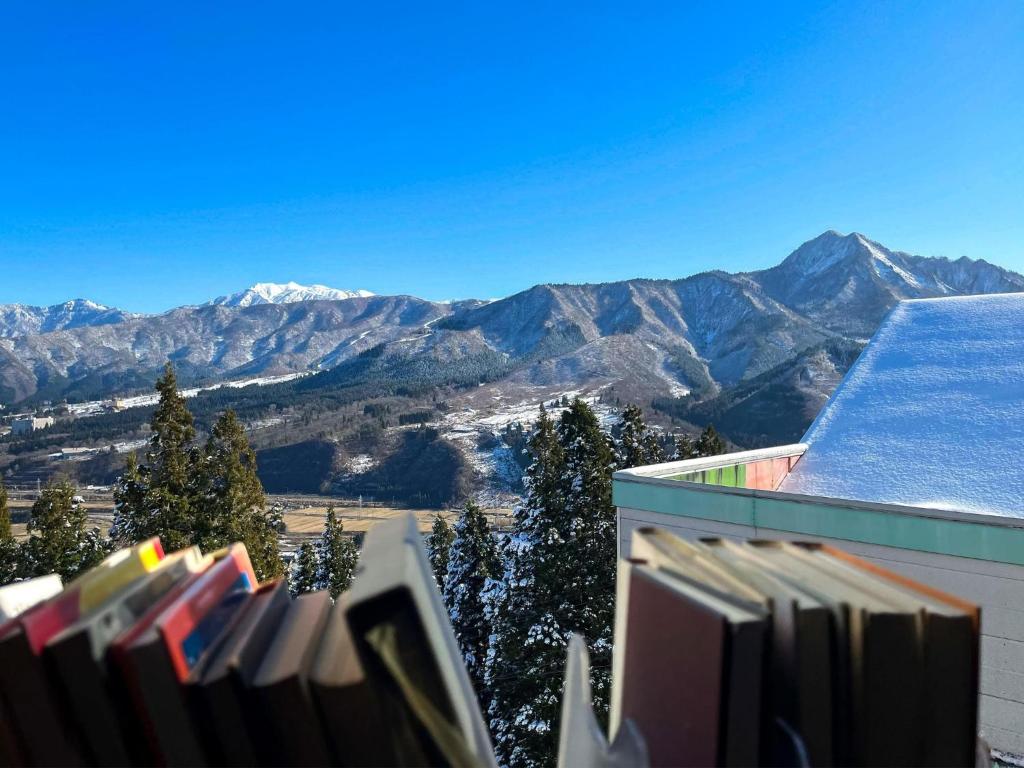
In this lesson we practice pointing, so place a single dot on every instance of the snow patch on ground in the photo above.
(360, 463)
(96, 407)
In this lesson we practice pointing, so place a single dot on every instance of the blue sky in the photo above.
(155, 156)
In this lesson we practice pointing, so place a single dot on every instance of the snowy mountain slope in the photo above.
(704, 334)
(210, 342)
(847, 282)
(285, 293)
(776, 406)
(22, 320)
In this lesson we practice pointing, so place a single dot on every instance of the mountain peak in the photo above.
(285, 293)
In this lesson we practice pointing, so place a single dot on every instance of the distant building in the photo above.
(28, 424)
(915, 462)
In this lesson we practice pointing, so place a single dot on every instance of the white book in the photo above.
(20, 596)
(408, 650)
(580, 739)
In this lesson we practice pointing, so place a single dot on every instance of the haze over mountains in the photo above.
(733, 341)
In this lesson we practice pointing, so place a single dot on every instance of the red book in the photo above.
(156, 656)
(193, 623)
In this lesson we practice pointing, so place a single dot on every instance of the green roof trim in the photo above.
(907, 528)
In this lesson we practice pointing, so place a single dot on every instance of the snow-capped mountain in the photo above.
(285, 293)
(22, 319)
(848, 282)
(713, 334)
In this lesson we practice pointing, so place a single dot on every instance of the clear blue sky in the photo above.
(151, 157)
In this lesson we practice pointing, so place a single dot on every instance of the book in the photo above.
(800, 680)
(77, 657)
(292, 734)
(157, 660)
(348, 706)
(879, 671)
(408, 652)
(691, 668)
(218, 688)
(17, 598)
(38, 721)
(117, 571)
(950, 645)
(580, 738)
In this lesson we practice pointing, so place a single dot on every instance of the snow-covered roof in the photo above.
(930, 415)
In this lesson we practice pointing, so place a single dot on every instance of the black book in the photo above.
(217, 690)
(356, 732)
(291, 733)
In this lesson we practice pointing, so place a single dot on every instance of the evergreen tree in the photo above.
(158, 498)
(58, 541)
(336, 555)
(472, 563)
(438, 543)
(211, 497)
(685, 448)
(523, 668)
(590, 546)
(709, 443)
(637, 444)
(233, 505)
(8, 546)
(302, 577)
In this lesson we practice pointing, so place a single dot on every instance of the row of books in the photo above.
(725, 654)
(184, 659)
(770, 653)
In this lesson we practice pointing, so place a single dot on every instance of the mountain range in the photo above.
(23, 320)
(710, 346)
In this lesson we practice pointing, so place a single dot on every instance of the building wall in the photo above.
(997, 587)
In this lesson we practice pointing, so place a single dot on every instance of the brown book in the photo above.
(950, 639)
(879, 671)
(800, 691)
(691, 664)
(217, 689)
(292, 733)
(356, 732)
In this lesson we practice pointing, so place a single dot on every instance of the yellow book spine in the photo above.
(122, 570)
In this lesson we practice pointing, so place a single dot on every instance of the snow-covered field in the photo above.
(96, 407)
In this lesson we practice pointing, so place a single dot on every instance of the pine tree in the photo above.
(685, 448)
(472, 563)
(302, 577)
(232, 504)
(637, 444)
(709, 443)
(336, 555)
(211, 497)
(438, 543)
(158, 500)
(8, 546)
(58, 541)
(523, 666)
(588, 591)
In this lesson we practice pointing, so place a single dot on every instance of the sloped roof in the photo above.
(930, 415)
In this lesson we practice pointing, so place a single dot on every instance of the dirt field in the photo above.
(310, 520)
(303, 515)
